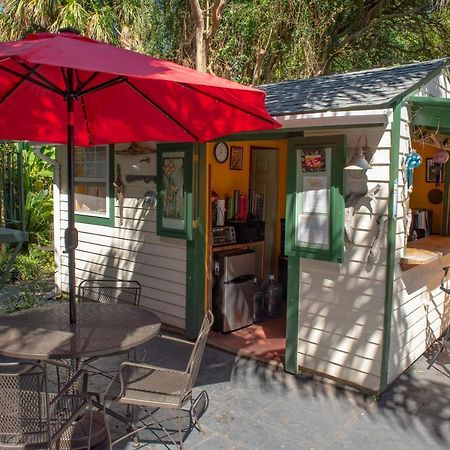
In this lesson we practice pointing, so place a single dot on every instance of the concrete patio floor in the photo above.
(253, 406)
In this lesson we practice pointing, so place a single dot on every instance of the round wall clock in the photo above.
(221, 152)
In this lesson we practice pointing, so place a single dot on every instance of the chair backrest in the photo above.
(110, 291)
(23, 403)
(198, 350)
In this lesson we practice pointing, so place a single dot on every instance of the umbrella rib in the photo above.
(160, 109)
(51, 86)
(13, 89)
(98, 87)
(83, 103)
(87, 81)
(258, 116)
(31, 80)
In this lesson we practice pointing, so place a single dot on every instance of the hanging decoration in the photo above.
(439, 159)
(412, 161)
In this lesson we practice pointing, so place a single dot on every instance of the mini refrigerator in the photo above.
(233, 289)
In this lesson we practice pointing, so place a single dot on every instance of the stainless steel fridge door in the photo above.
(237, 306)
(237, 264)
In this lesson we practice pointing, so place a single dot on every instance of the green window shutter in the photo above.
(174, 173)
(315, 201)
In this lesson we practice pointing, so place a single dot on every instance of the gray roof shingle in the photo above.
(369, 88)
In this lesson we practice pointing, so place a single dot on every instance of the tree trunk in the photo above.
(200, 38)
(212, 16)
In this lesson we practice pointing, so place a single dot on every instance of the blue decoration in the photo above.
(412, 161)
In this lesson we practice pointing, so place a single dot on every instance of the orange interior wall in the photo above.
(224, 181)
(419, 195)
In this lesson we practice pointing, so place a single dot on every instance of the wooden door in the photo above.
(264, 179)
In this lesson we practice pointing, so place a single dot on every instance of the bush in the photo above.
(34, 264)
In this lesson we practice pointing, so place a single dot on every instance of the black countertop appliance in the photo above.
(248, 230)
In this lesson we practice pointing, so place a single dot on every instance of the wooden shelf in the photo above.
(424, 251)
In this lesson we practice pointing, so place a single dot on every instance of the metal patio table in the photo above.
(45, 333)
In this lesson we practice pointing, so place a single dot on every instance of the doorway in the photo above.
(264, 182)
(261, 178)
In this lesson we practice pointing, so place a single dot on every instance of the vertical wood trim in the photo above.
(196, 247)
(293, 278)
(292, 315)
(392, 226)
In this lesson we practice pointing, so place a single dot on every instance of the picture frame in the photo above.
(174, 206)
(236, 154)
(431, 168)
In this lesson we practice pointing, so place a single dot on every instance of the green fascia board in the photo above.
(431, 112)
(98, 220)
(391, 234)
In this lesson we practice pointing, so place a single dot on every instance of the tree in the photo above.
(123, 23)
(207, 22)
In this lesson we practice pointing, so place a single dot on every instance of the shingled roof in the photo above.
(366, 89)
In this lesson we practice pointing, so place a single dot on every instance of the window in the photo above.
(94, 202)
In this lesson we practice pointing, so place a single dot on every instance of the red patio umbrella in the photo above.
(68, 89)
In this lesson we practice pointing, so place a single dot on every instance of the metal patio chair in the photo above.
(109, 291)
(155, 388)
(30, 415)
(445, 340)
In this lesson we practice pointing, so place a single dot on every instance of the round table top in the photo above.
(101, 329)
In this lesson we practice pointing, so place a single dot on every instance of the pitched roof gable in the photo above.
(369, 88)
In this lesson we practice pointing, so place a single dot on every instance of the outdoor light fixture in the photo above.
(359, 159)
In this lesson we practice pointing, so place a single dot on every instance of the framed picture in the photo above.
(431, 169)
(174, 208)
(236, 158)
(313, 160)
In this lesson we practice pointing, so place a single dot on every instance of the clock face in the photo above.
(221, 152)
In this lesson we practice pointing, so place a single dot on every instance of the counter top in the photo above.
(424, 251)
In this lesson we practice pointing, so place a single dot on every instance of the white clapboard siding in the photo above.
(342, 305)
(418, 316)
(131, 249)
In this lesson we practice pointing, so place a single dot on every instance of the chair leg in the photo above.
(180, 435)
(108, 432)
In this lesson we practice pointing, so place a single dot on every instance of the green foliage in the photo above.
(29, 296)
(34, 264)
(38, 216)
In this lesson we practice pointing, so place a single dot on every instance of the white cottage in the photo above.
(362, 301)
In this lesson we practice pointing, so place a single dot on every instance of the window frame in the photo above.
(109, 218)
(335, 250)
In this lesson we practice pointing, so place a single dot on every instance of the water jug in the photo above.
(273, 298)
(259, 303)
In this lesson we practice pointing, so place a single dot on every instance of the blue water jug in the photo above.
(273, 298)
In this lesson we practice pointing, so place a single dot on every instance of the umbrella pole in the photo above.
(71, 233)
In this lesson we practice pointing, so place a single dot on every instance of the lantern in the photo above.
(439, 159)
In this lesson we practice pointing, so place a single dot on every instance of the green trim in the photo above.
(98, 220)
(445, 225)
(335, 252)
(282, 133)
(286, 133)
(433, 102)
(292, 315)
(196, 251)
(391, 234)
(186, 149)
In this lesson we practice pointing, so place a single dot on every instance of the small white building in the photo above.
(361, 304)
